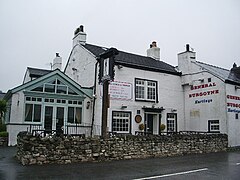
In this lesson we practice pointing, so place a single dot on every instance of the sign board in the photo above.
(120, 90)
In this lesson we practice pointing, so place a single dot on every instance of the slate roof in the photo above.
(135, 61)
(34, 72)
(230, 76)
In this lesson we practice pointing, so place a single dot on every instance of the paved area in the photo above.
(205, 166)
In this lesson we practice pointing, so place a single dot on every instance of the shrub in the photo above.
(3, 127)
(141, 127)
(162, 127)
(4, 134)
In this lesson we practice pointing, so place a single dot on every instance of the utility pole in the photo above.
(106, 74)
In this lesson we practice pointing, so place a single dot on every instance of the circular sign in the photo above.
(138, 118)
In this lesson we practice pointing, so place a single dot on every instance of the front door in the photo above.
(53, 118)
(149, 123)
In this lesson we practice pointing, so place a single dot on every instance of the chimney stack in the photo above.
(154, 51)
(57, 62)
(185, 60)
(79, 36)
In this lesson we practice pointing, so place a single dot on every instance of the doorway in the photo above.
(149, 123)
(53, 118)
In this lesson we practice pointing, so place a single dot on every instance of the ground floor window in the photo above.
(171, 122)
(213, 126)
(33, 112)
(121, 121)
(75, 115)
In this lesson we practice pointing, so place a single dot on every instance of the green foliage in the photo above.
(3, 127)
(3, 108)
(4, 134)
(141, 126)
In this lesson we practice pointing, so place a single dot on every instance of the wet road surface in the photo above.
(204, 166)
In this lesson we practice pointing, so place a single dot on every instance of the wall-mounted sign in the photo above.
(205, 93)
(203, 86)
(120, 90)
(138, 118)
(203, 101)
(233, 110)
(106, 65)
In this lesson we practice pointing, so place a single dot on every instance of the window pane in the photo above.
(62, 89)
(71, 114)
(28, 112)
(49, 88)
(78, 115)
(37, 113)
(120, 122)
(38, 89)
(70, 91)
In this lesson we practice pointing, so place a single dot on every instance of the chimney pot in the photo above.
(81, 28)
(187, 47)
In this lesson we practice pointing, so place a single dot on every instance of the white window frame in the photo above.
(213, 126)
(121, 121)
(147, 86)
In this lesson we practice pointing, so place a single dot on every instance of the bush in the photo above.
(3, 127)
(4, 134)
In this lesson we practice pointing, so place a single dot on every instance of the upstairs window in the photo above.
(145, 90)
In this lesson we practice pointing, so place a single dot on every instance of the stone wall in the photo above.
(67, 149)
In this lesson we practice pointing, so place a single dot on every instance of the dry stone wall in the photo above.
(68, 149)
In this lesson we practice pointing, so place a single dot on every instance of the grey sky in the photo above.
(32, 31)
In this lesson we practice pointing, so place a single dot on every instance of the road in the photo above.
(217, 166)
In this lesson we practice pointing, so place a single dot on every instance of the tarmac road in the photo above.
(217, 166)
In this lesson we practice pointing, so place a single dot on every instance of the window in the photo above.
(33, 112)
(213, 126)
(75, 115)
(236, 116)
(171, 122)
(145, 90)
(121, 122)
(209, 79)
(55, 86)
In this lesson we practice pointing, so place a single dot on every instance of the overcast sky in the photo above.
(32, 31)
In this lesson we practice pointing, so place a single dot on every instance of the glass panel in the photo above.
(78, 115)
(38, 89)
(28, 112)
(60, 118)
(70, 91)
(49, 88)
(70, 114)
(37, 113)
(48, 118)
(62, 89)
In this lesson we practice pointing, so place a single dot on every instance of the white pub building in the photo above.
(194, 96)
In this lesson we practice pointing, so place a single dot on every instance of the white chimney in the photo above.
(185, 60)
(79, 36)
(154, 51)
(57, 62)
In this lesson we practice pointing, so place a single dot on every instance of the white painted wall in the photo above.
(81, 66)
(232, 122)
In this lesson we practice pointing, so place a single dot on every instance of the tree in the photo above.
(3, 109)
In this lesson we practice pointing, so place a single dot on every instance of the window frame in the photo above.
(146, 90)
(129, 123)
(211, 124)
(34, 102)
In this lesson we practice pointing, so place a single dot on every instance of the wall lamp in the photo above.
(88, 104)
